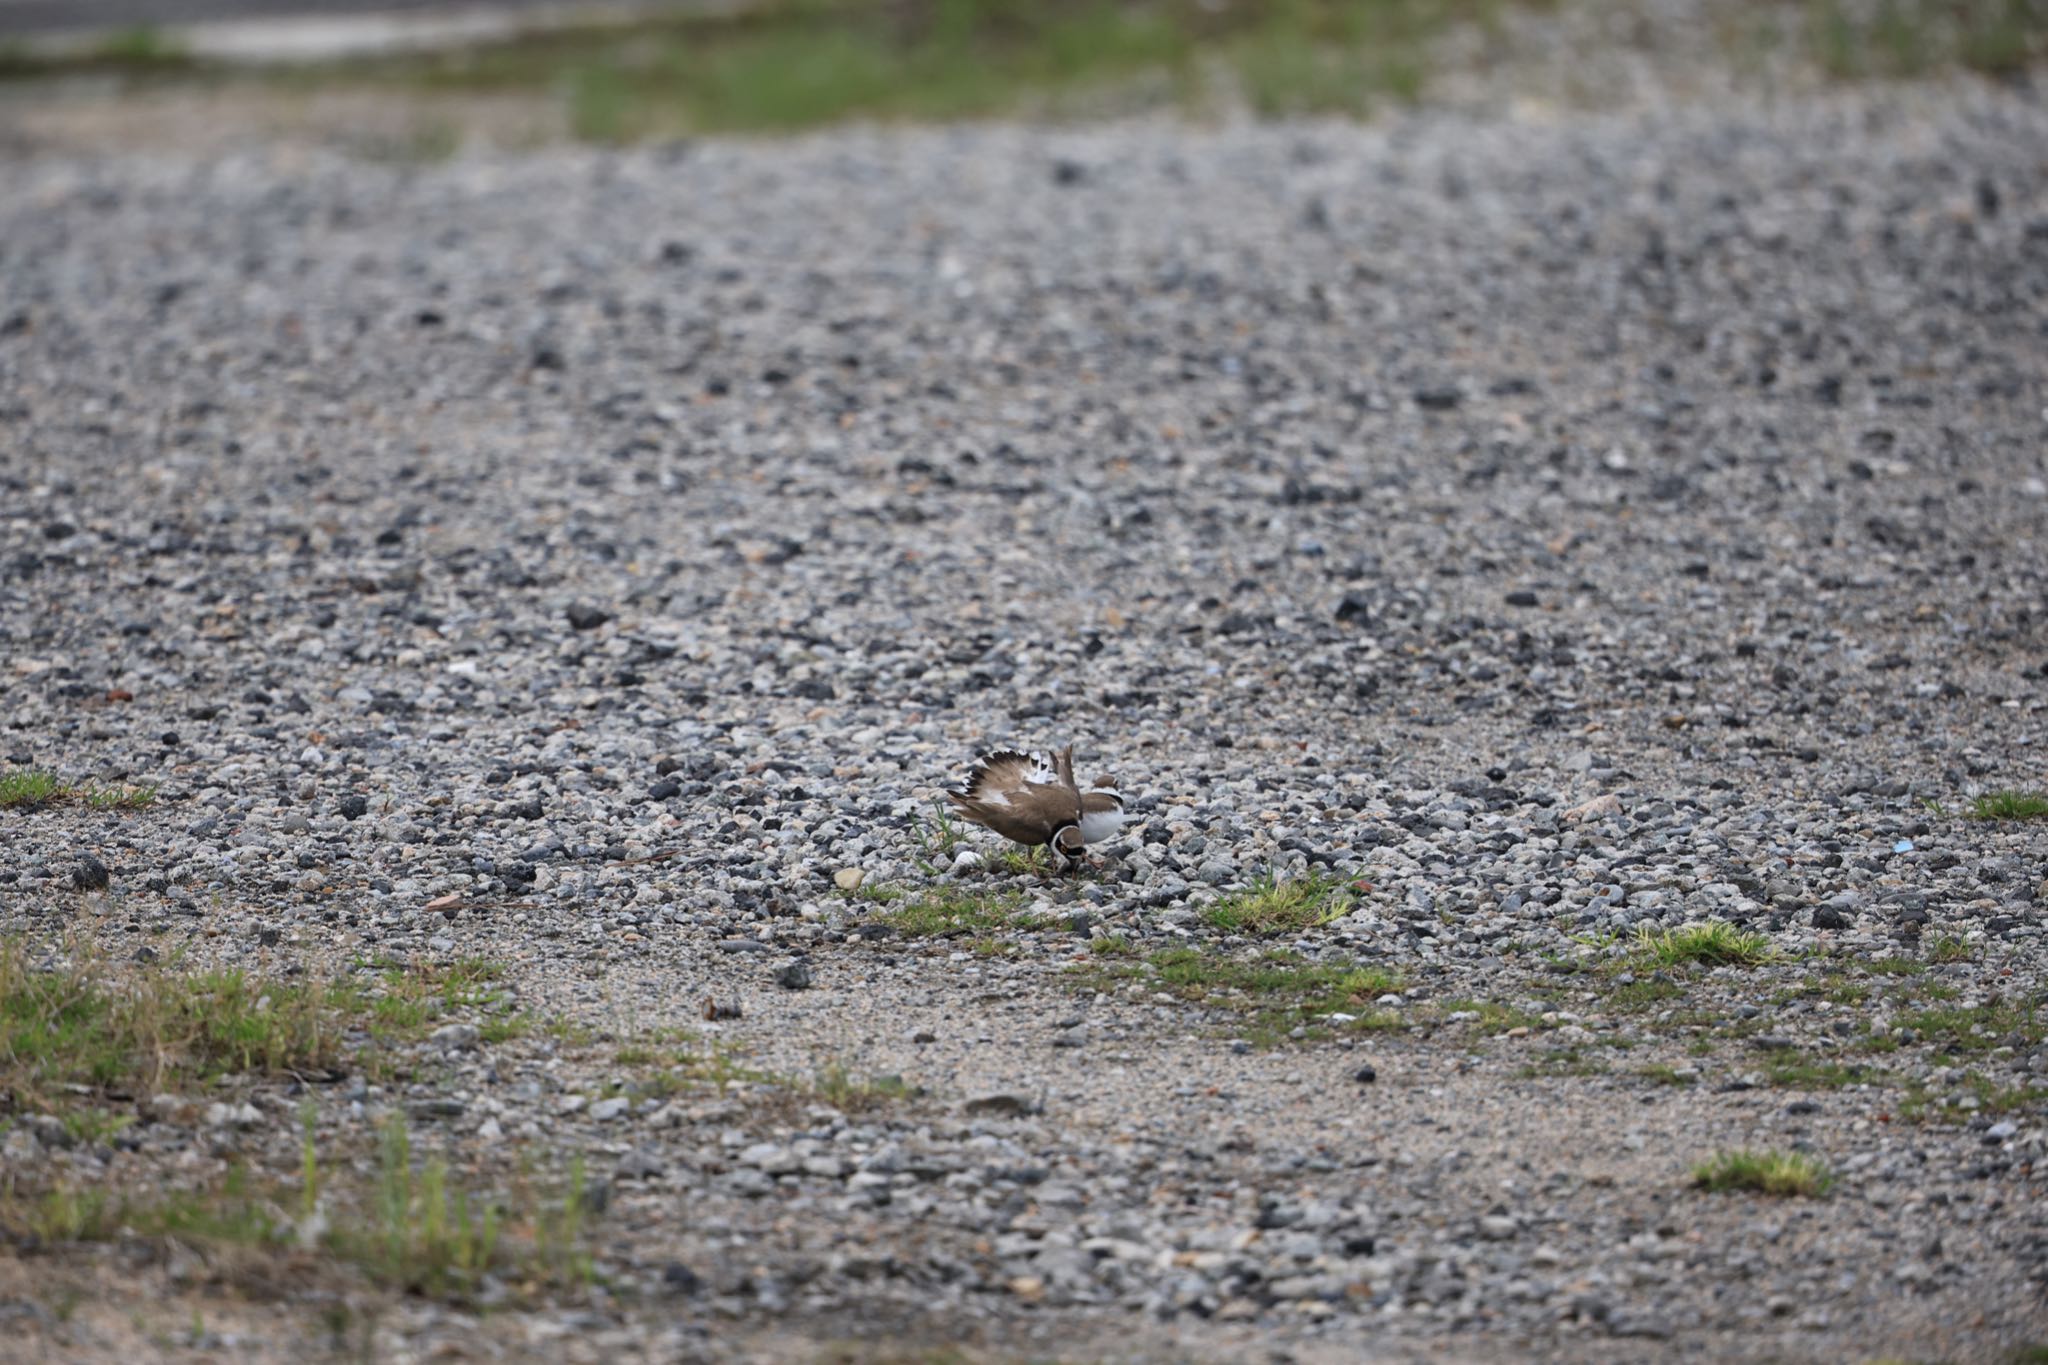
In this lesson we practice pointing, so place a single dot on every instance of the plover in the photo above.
(1033, 799)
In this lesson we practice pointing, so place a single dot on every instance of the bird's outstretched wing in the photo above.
(1021, 796)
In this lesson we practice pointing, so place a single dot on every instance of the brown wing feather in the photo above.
(1004, 770)
(1002, 797)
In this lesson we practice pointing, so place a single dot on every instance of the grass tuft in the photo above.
(850, 1094)
(937, 838)
(1713, 943)
(73, 1026)
(785, 65)
(2010, 805)
(1275, 994)
(408, 1226)
(1946, 948)
(1271, 906)
(1776, 1173)
(945, 912)
(76, 1029)
(30, 788)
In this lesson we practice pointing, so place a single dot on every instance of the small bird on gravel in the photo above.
(1033, 799)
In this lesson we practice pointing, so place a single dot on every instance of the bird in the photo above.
(1102, 811)
(1033, 799)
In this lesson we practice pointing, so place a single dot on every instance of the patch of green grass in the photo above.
(1805, 1073)
(1712, 943)
(79, 1027)
(76, 1026)
(409, 1226)
(69, 1213)
(1891, 966)
(1493, 1017)
(141, 45)
(1643, 993)
(670, 1063)
(1835, 987)
(1563, 1061)
(1273, 994)
(567, 1031)
(1019, 862)
(1112, 945)
(1664, 1074)
(1985, 1096)
(120, 798)
(411, 1000)
(95, 1126)
(419, 1235)
(791, 64)
(1271, 906)
(851, 1094)
(2010, 805)
(30, 788)
(1947, 948)
(1777, 1173)
(937, 838)
(1978, 1028)
(141, 50)
(1907, 38)
(950, 911)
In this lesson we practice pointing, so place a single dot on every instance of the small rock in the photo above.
(795, 977)
(604, 1111)
(848, 879)
(1639, 1325)
(90, 874)
(637, 1165)
(1597, 808)
(582, 616)
(223, 1115)
(443, 1107)
(771, 1158)
(456, 1037)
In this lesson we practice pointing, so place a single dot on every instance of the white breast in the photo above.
(1099, 825)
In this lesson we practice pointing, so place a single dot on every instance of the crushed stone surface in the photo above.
(1543, 534)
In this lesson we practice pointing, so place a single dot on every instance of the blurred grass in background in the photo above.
(783, 65)
(805, 62)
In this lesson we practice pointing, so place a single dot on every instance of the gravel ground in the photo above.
(582, 559)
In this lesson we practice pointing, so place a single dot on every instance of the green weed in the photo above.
(2010, 805)
(949, 911)
(1271, 906)
(1777, 1173)
(1710, 943)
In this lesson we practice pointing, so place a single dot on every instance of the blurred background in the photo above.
(526, 71)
